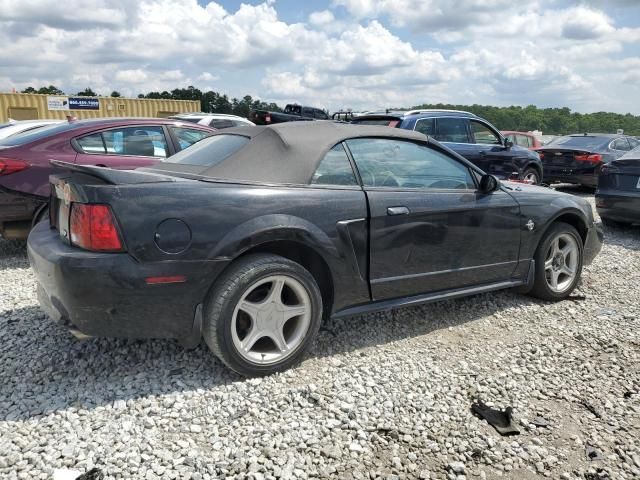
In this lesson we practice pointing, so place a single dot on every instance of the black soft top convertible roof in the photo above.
(283, 153)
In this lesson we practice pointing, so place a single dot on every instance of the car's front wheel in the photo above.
(558, 263)
(262, 314)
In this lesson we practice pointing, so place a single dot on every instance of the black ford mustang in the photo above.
(253, 236)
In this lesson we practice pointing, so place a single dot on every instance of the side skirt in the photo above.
(426, 298)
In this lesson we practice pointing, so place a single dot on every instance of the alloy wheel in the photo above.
(271, 319)
(561, 262)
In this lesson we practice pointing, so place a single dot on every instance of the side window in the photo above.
(451, 130)
(621, 144)
(334, 169)
(483, 134)
(426, 126)
(91, 143)
(307, 112)
(187, 136)
(634, 143)
(136, 141)
(396, 163)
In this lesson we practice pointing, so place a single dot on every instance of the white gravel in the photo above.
(380, 396)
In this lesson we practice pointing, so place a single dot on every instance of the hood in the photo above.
(527, 194)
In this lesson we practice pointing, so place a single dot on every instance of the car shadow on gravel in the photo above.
(45, 369)
(13, 248)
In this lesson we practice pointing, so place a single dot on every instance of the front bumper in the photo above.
(619, 206)
(593, 243)
(105, 294)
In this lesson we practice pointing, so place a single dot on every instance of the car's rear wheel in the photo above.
(558, 263)
(262, 314)
(531, 175)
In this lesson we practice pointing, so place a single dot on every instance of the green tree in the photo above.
(115, 94)
(87, 92)
(29, 90)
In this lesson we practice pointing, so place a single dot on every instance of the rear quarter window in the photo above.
(210, 151)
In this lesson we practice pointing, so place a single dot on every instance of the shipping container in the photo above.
(27, 106)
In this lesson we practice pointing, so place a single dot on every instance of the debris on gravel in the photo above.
(385, 395)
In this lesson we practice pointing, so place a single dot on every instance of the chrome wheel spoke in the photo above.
(275, 293)
(250, 308)
(561, 264)
(278, 339)
(553, 280)
(293, 311)
(548, 265)
(250, 339)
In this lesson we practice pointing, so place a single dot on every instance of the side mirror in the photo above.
(508, 143)
(489, 183)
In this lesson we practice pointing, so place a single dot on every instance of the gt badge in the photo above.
(530, 225)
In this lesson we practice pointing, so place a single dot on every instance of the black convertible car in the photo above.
(253, 236)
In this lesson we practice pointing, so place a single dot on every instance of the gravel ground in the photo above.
(380, 396)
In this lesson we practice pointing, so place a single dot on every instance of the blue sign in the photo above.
(83, 103)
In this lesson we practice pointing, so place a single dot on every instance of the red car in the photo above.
(524, 139)
(121, 143)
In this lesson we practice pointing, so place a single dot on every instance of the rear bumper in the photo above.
(16, 209)
(618, 205)
(105, 294)
(567, 175)
(593, 243)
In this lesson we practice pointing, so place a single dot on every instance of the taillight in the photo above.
(11, 165)
(267, 118)
(541, 155)
(93, 227)
(591, 158)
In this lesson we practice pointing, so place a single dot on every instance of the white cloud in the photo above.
(382, 53)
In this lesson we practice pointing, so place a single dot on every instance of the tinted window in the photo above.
(621, 144)
(483, 134)
(452, 130)
(397, 163)
(383, 122)
(426, 126)
(210, 151)
(335, 169)
(588, 142)
(635, 154)
(188, 136)
(293, 109)
(222, 123)
(92, 143)
(38, 134)
(634, 143)
(136, 141)
(187, 119)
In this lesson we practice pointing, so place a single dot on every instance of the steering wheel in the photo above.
(387, 179)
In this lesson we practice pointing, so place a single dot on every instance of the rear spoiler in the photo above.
(560, 148)
(113, 176)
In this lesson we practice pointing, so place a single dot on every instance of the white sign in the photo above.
(58, 103)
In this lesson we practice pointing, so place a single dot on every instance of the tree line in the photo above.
(554, 121)
(210, 101)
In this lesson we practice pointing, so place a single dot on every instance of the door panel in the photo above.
(448, 239)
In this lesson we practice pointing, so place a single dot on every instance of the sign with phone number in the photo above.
(84, 103)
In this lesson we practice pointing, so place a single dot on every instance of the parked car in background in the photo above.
(618, 193)
(214, 120)
(579, 158)
(119, 143)
(292, 113)
(523, 139)
(468, 135)
(254, 235)
(15, 127)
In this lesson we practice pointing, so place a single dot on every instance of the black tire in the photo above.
(541, 289)
(228, 291)
(534, 172)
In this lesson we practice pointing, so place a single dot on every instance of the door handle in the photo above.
(397, 211)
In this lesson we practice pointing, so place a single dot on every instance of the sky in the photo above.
(333, 54)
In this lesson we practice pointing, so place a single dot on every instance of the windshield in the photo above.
(36, 134)
(587, 142)
(210, 151)
(633, 154)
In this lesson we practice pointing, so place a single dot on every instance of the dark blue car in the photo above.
(468, 135)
